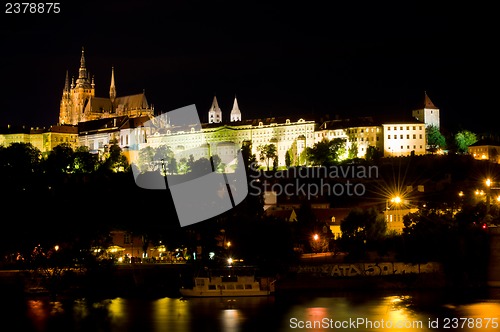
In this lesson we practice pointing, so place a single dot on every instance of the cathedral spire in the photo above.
(66, 83)
(112, 88)
(83, 70)
(83, 77)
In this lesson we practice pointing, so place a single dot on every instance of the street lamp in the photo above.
(396, 201)
(488, 196)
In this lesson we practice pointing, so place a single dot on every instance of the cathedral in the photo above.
(79, 103)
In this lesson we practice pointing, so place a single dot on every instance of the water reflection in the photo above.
(312, 312)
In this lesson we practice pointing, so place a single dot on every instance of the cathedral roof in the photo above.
(99, 105)
(137, 101)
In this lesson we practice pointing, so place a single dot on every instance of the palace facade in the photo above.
(129, 121)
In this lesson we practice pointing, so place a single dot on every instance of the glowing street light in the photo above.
(396, 200)
(488, 196)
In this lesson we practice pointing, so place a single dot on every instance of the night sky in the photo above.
(279, 58)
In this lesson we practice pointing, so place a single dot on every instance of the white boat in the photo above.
(237, 285)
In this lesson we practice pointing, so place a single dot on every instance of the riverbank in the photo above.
(164, 280)
(120, 280)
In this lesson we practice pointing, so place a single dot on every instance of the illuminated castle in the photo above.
(79, 103)
(99, 122)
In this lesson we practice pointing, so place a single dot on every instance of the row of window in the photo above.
(355, 131)
(407, 147)
(362, 139)
(229, 287)
(407, 128)
(407, 136)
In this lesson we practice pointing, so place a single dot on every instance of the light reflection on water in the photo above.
(313, 312)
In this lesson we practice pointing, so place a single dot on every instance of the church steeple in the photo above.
(66, 84)
(83, 80)
(112, 88)
(235, 112)
(215, 113)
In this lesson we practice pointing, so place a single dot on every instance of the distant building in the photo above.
(485, 149)
(44, 139)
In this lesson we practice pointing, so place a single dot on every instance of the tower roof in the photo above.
(427, 102)
(215, 105)
(236, 109)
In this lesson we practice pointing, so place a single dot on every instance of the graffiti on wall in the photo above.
(368, 269)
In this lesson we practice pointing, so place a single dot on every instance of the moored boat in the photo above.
(229, 285)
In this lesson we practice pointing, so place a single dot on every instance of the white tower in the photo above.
(215, 113)
(429, 114)
(235, 112)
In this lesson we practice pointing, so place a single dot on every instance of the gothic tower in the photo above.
(77, 97)
(66, 103)
(112, 88)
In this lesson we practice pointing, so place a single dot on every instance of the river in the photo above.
(305, 311)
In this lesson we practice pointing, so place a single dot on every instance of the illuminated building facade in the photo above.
(485, 149)
(121, 120)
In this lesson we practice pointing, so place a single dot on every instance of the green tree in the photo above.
(464, 139)
(288, 159)
(145, 160)
(267, 153)
(373, 154)
(114, 160)
(352, 153)
(84, 161)
(166, 155)
(435, 139)
(326, 152)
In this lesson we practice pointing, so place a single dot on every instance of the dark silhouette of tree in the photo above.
(373, 154)
(201, 167)
(216, 163)
(60, 160)
(19, 166)
(362, 229)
